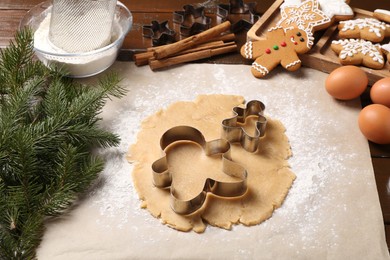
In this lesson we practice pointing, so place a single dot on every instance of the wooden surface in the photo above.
(144, 11)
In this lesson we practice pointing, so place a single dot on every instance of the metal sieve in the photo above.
(81, 25)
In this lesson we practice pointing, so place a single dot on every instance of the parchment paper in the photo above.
(331, 212)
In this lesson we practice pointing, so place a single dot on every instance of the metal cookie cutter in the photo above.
(160, 33)
(162, 177)
(233, 132)
(192, 20)
(237, 8)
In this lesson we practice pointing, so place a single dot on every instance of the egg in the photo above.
(380, 92)
(374, 123)
(346, 82)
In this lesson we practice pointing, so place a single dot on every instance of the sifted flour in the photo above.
(77, 64)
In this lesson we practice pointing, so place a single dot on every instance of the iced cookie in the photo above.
(335, 9)
(293, 35)
(359, 52)
(383, 15)
(338, 10)
(280, 47)
(305, 16)
(369, 29)
(386, 51)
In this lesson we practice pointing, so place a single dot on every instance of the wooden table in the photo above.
(11, 12)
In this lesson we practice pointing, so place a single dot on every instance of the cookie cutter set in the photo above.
(232, 132)
(193, 20)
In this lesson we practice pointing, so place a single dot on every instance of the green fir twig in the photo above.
(48, 128)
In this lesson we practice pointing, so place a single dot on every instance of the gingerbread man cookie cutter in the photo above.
(234, 132)
(162, 177)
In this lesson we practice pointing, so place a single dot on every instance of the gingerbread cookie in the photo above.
(359, 52)
(334, 9)
(386, 51)
(305, 16)
(280, 47)
(369, 29)
(338, 10)
(283, 43)
(382, 15)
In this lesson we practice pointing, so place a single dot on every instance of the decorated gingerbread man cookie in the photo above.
(280, 47)
(369, 29)
(359, 52)
(293, 35)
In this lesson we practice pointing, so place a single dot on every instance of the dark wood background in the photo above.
(144, 11)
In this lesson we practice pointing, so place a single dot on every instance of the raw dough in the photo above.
(269, 175)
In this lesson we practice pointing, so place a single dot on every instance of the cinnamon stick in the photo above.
(192, 56)
(225, 37)
(191, 41)
(204, 46)
(143, 58)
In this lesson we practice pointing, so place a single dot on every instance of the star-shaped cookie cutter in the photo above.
(192, 20)
(247, 13)
(234, 132)
(160, 33)
(162, 177)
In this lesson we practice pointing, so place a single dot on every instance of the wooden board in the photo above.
(320, 57)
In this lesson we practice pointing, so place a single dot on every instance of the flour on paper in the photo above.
(269, 174)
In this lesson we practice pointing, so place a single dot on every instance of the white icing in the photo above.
(292, 39)
(335, 8)
(330, 8)
(293, 64)
(386, 47)
(260, 68)
(375, 26)
(382, 11)
(248, 50)
(355, 46)
(275, 28)
(290, 3)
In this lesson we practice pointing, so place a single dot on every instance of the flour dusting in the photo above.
(330, 159)
(314, 161)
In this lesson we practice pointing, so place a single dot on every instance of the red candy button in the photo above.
(268, 51)
(283, 44)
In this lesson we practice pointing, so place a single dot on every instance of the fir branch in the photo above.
(48, 128)
(17, 64)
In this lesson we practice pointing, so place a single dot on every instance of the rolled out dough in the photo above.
(269, 174)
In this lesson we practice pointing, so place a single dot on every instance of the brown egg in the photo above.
(374, 122)
(346, 82)
(380, 92)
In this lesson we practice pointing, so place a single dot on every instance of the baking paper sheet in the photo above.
(331, 212)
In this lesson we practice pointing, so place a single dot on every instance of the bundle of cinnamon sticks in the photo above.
(203, 45)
